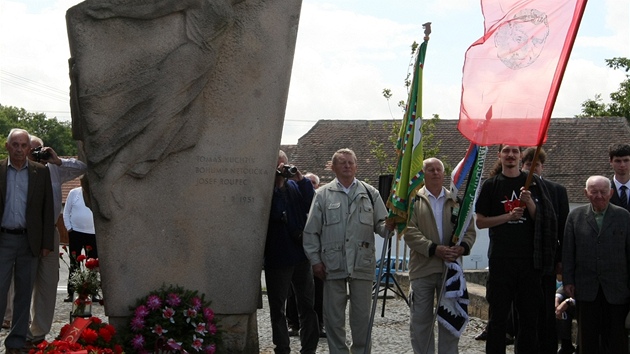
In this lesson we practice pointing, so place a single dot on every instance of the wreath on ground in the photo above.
(172, 319)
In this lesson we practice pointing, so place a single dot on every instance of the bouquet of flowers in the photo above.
(172, 320)
(97, 338)
(85, 279)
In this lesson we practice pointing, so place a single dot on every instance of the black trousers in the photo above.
(512, 280)
(80, 241)
(547, 334)
(292, 311)
(601, 326)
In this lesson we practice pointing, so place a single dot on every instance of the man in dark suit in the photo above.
(620, 162)
(560, 201)
(596, 259)
(26, 230)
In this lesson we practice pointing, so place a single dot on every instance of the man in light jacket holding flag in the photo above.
(428, 235)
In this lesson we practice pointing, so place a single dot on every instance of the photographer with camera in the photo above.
(286, 264)
(47, 277)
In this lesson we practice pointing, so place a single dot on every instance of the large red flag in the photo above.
(512, 74)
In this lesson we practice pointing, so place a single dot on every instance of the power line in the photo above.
(51, 88)
(33, 86)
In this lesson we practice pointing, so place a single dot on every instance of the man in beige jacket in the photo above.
(339, 242)
(428, 235)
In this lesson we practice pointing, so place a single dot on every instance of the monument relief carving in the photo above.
(180, 105)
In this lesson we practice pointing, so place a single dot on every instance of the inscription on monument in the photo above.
(226, 171)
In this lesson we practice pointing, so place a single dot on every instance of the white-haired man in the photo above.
(596, 263)
(339, 241)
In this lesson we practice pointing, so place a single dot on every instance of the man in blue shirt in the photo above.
(26, 230)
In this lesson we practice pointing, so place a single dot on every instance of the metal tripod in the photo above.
(388, 276)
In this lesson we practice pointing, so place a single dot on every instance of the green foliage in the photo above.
(594, 107)
(54, 133)
(414, 47)
(383, 153)
(620, 99)
(431, 146)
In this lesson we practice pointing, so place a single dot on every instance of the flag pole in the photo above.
(368, 346)
(399, 210)
(437, 306)
(456, 238)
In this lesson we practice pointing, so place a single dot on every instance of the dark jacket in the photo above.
(615, 197)
(40, 222)
(289, 208)
(593, 258)
(560, 202)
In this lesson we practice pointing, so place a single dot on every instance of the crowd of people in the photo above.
(547, 265)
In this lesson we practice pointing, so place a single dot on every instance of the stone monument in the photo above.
(179, 105)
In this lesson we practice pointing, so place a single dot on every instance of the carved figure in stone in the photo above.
(134, 121)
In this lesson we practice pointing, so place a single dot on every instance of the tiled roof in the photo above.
(68, 186)
(576, 148)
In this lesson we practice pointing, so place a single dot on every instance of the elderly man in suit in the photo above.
(596, 256)
(26, 230)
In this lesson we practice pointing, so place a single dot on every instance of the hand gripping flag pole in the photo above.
(451, 309)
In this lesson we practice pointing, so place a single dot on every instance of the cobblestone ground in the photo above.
(390, 333)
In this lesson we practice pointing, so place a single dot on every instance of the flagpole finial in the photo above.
(427, 30)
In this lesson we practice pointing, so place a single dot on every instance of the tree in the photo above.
(377, 148)
(620, 99)
(54, 133)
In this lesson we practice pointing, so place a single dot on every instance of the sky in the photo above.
(347, 53)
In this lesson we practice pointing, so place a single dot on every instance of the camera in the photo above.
(39, 155)
(287, 171)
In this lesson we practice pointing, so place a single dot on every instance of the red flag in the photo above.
(512, 74)
(77, 327)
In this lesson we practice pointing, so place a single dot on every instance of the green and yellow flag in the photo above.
(409, 177)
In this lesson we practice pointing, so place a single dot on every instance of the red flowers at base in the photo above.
(98, 337)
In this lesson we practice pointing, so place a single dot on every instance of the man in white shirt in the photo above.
(428, 235)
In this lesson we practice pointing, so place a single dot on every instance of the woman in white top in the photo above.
(80, 224)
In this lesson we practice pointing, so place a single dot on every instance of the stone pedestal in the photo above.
(180, 111)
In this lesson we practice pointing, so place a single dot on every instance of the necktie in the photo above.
(623, 196)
